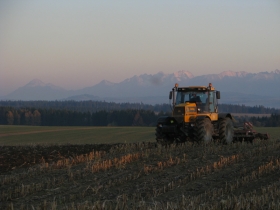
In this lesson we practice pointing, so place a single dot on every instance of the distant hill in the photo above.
(236, 87)
(38, 90)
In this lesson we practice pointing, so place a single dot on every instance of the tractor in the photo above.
(195, 117)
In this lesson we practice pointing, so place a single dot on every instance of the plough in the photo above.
(247, 133)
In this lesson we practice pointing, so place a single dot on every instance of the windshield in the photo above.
(183, 97)
(205, 100)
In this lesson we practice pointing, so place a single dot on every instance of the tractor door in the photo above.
(212, 101)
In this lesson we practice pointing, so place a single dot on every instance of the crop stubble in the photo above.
(141, 176)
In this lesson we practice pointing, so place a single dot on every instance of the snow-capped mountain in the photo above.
(262, 87)
(38, 90)
(35, 83)
(38, 83)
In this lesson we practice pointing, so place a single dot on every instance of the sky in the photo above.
(77, 44)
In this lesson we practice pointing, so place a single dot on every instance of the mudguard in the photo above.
(201, 117)
(167, 124)
(166, 120)
(224, 115)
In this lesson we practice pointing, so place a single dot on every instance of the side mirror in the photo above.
(170, 95)
(218, 95)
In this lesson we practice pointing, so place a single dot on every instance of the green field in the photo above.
(18, 135)
(274, 132)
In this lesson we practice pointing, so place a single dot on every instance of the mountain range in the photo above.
(236, 88)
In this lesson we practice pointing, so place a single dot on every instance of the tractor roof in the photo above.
(195, 88)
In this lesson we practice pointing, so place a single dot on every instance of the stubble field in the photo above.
(118, 174)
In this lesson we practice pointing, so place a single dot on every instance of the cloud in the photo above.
(156, 80)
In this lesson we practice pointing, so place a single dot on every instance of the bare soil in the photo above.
(141, 176)
(16, 157)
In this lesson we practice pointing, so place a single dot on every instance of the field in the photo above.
(22, 135)
(123, 168)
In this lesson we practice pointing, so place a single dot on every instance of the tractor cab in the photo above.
(194, 100)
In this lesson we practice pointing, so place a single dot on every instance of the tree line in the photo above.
(94, 113)
(95, 106)
(55, 117)
(85, 106)
(129, 117)
(272, 121)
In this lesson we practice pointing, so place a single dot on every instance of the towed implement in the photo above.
(195, 117)
(246, 132)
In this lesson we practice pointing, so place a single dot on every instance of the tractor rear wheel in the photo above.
(226, 131)
(203, 131)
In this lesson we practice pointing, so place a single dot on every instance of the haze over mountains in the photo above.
(236, 88)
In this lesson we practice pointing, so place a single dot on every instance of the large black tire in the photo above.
(226, 131)
(203, 131)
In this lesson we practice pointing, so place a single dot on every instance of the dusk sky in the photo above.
(76, 44)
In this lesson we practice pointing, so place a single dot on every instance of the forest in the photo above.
(94, 113)
(95, 106)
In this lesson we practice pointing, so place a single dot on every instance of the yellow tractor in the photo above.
(195, 117)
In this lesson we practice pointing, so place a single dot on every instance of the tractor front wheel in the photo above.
(203, 131)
